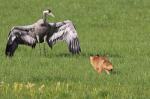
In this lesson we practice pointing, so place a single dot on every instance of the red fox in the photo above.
(101, 63)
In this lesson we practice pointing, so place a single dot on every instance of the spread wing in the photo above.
(16, 37)
(66, 32)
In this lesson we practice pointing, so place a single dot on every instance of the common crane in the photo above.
(29, 34)
(42, 31)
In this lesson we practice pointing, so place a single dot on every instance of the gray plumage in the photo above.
(42, 31)
(66, 32)
(29, 34)
(39, 29)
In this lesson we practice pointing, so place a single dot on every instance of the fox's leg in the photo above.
(107, 71)
(100, 70)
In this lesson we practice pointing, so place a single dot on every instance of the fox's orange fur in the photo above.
(101, 63)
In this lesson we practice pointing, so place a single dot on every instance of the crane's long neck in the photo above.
(44, 17)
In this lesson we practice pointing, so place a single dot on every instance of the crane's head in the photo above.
(48, 12)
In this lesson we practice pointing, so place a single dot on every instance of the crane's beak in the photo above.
(51, 14)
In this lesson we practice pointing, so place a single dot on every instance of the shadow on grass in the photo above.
(83, 54)
(115, 72)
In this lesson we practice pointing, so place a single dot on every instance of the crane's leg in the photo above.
(38, 39)
(44, 45)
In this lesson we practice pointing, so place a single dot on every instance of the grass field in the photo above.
(118, 29)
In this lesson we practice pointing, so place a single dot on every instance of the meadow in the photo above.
(118, 29)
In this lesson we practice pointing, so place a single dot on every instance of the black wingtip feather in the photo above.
(10, 49)
(74, 46)
(50, 43)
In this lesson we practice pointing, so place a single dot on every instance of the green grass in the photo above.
(118, 29)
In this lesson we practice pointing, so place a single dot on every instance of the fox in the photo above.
(101, 63)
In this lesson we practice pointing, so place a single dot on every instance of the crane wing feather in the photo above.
(17, 37)
(66, 32)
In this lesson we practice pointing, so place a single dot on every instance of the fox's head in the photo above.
(109, 67)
